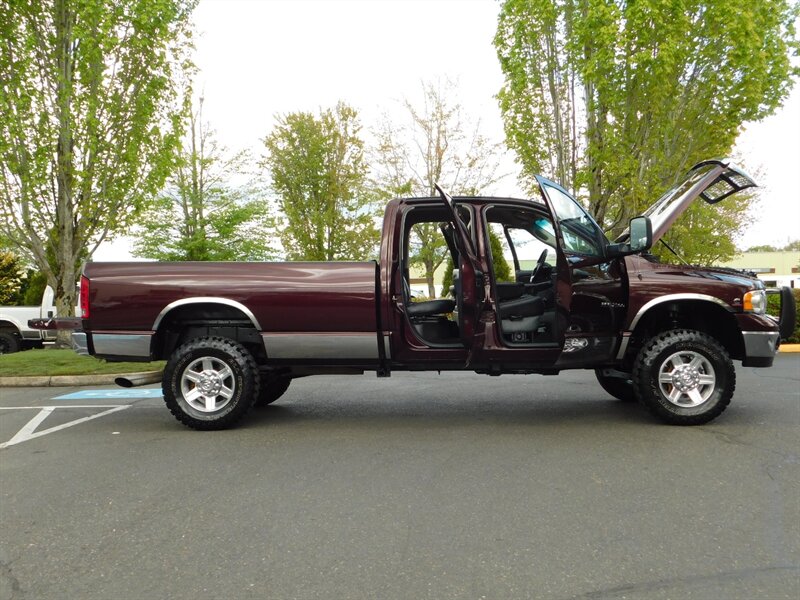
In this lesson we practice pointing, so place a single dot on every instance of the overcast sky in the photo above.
(262, 58)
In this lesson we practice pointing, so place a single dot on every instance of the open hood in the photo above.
(712, 180)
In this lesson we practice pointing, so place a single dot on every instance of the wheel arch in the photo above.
(9, 326)
(188, 318)
(689, 311)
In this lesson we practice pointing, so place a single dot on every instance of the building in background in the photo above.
(775, 269)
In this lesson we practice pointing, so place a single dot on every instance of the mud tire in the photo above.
(222, 368)
(656, 367)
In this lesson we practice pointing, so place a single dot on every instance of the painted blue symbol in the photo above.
(120, 393)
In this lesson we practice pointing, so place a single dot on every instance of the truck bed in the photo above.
(291, 304)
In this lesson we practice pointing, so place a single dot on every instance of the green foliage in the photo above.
(48, 362)
(500, 266)
(33, 288)
(201, 215)
(793, 246)
(618, 99)
(706, 234)
(435, 143)
(88, 123)
(320, 176)
(11, 278)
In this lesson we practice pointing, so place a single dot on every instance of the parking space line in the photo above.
(115, 394)
(28, 432)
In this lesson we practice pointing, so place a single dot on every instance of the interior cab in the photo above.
(534, 282)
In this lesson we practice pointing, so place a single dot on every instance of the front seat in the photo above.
(520, 315)
(428, 308)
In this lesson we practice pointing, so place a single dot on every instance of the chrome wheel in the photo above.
(687, 379)
(208, 384)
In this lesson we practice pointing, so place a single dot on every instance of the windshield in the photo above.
(579, 232)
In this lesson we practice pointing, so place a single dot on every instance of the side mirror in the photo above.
(641, 234)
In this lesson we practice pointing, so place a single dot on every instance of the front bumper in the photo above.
(760, 348)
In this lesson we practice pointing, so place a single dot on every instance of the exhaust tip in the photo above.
(130, 380)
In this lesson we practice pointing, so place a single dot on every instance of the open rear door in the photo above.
(470, 286)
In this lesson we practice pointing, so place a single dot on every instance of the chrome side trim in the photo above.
(206, 300)
(760, 343)
(387, 346)
(79, 343)
(671, 298)
(321, 345)
(122, 344)
(623, 345)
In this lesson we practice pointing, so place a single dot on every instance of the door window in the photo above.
(579, 232)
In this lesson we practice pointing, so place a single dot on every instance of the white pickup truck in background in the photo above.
(15, 335)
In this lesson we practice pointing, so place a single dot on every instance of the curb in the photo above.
(69, 380)
(789, 348)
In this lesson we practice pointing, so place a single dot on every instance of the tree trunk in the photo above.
(429, 272)
(65, 306)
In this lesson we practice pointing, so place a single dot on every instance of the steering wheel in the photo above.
(539, 265)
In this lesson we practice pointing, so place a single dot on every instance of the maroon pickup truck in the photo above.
(235, 334)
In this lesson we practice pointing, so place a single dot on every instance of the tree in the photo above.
(500, 267)
(793, 246)
(11, 278)
(618, 99)
(320, 176)
(435, 144)
(88, 125)
(202, 215)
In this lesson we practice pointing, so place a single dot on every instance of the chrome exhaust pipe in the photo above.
(137, 379)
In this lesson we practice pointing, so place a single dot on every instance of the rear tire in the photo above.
(684, 377)
(9, 343)
(210, 383)
(621, 389)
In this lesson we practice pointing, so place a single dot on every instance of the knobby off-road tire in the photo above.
(621, 389)
(210, 383)
(684, 377)
(8, 343)
(272, 388)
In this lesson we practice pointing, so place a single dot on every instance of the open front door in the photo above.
(470, 284)
(591, 294)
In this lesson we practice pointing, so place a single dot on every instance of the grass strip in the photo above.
(49, 361)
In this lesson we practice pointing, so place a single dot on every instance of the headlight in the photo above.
(755, 301)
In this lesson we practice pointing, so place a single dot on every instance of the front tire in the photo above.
(210, 383)
(684, 377)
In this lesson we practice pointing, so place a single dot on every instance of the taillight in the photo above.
(84, 297)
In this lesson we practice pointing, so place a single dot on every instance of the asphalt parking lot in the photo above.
(417, 486)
